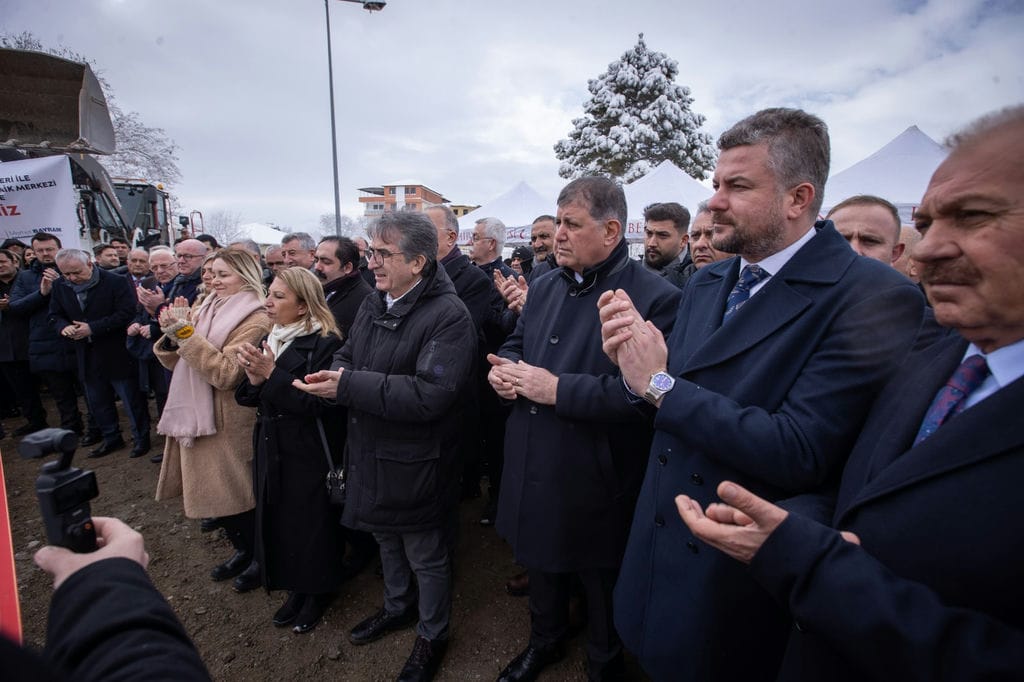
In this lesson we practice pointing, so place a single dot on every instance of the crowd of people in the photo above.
(758, 452)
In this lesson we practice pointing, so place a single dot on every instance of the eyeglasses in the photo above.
(378, 255)
(188, 256)
(479, 238)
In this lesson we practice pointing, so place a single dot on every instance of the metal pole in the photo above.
(334, 133)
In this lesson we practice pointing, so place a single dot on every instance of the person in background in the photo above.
(522, 261)
(871, 225)
(14, 364)
(138, 266)
(209, 240)
(208, 447)
(123, 249)
(105, 256)
(299, 544)
(665, 239)
(298, 249)
(702, 231)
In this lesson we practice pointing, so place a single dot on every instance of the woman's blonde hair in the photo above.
(243, 265)
(310, 292)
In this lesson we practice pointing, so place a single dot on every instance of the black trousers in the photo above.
(25, 387)
(549, 616)
(62, 388)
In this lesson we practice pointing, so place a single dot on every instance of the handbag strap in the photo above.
(319, 423)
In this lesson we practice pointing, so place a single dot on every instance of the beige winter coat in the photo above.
(215, 475)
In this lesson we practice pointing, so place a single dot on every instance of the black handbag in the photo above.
(335, 475)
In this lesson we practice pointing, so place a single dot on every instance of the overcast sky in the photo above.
(468, 96)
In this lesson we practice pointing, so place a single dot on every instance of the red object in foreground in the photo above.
(10, 611)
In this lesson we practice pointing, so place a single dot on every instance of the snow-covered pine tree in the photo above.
(636, 118)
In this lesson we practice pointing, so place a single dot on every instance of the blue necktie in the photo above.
(751, 275)
(952, 398)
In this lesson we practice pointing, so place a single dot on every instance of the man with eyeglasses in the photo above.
(403, 374)
(485, 247)
(189, 253)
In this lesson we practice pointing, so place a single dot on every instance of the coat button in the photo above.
(533, 409)
(658, 521)
(696, 479)
(798, 626)
(692, 546)
(662, 460)
(553, 340)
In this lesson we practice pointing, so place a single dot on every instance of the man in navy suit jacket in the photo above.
(93, 308)
(766, 379)
(924, 582)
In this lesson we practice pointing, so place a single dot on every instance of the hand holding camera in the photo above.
(115, 539)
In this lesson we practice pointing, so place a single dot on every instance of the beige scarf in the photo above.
(281, 337)
(188, 413)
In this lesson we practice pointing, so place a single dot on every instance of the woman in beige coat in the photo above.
(208, 445)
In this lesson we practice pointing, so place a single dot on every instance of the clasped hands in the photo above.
(257, 363)
(513, 379)
(175, 316)
(635, 345)
(76, 331)
(512, 289)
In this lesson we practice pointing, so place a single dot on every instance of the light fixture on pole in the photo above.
(370, 7)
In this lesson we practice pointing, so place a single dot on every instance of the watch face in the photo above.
(662, 381)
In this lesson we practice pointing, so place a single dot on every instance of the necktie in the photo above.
(751, 275)
(951, 399)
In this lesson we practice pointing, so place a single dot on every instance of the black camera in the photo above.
(63, 490)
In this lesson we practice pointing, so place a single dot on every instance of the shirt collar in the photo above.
(1006, 364)
(775, 262)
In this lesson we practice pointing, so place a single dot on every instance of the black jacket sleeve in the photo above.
(108, 622)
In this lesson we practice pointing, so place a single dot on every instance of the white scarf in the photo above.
(281, 336)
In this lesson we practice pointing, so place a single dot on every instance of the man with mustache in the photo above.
(766, 379)
(923, 582)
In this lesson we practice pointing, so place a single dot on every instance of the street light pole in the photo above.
(334, 132)
(371, 7)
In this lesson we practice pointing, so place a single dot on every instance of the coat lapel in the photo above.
(974, 435)
(293, 360)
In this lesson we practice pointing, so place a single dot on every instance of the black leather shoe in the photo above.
(289, 610)
(140, 448)
(311, 613)
(210, 523)
(518, 585)
(249, 579)
(27, 429)
(380, 624)
(90, 439)
(424, 660)
(528, 664)
(157, 458)
(238, 562)
(107, 448)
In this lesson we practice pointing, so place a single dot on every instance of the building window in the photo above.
(410, 190)
(391, 190)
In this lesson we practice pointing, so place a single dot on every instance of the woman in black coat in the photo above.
(299, 543)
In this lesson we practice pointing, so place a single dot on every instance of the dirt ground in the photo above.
(233, 631)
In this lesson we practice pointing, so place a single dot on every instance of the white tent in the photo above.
(899, 172)
(516, 208)
(261, 233)
(667, 182)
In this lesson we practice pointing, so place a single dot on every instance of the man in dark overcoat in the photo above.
(772, 364)
(93, 308)
(574, 445)
(916, 573)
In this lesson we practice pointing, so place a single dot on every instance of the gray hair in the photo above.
(603, 195)
(305, 241)
(249, 245)
(76, 255)
(981, 127)
(160, 247)
(798, 147)
(413, 232)
(495, 229)
(450, 221)
(702, 207)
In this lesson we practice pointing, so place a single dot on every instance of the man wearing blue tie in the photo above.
(924, 581)
(765, 380)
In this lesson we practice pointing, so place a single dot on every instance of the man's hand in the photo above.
(150, 300)
(531, 382)
(5, 302)
(323, 384)
(619, 321)
(636, 346)
(114, 539)
(513, 290)
(50, 275)
(739, 527)
(76, 331)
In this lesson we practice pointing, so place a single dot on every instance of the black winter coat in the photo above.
(573, 470)
(344, 296)
(298, 542)
(405, 377)
(109, 309)
(47, 350)
(13, 330)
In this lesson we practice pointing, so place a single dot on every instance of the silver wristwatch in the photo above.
(660, 384)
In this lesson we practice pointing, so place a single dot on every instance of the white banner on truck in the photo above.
(37, 195)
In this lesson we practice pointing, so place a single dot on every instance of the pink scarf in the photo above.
(188, 413)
